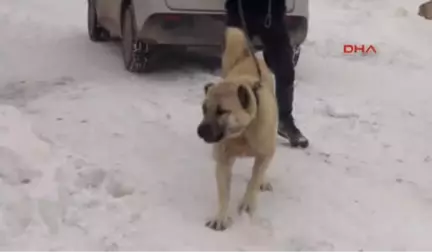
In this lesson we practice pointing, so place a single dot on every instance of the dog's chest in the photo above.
(239, 147)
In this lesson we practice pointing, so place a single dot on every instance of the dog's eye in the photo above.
(220, 111)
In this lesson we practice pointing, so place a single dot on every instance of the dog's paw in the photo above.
(266, 187)
(219, 224)
(248, 206)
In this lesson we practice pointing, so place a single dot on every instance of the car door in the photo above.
(196, 5)
(209, 5)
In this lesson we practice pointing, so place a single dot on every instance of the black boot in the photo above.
(288, 130)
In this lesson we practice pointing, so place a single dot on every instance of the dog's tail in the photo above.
(235, 50)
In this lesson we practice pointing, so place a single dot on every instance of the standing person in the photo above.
(265, 18)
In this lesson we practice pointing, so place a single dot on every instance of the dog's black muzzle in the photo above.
(210, 133)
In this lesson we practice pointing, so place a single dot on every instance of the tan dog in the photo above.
(240, 120)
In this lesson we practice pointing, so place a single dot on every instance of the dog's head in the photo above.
(422, 10)
(228, 109)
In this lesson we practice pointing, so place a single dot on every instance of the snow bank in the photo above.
(22, 159)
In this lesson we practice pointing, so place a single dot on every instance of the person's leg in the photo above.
(233, 19)
(278, 55)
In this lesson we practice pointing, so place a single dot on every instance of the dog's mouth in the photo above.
(213, 139)
(234, 132)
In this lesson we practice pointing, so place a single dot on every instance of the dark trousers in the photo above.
(278, 55)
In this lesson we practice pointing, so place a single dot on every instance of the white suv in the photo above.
(147, 27)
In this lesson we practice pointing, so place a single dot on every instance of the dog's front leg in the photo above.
(223, 179)
(255, 184)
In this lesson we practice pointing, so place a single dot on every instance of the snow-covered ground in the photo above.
(95, 158)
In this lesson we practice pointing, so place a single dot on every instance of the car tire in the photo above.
(136, 53)
(95, 31)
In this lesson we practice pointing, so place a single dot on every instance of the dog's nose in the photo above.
(204, 130)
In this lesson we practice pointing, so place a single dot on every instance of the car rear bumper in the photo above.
(203, 29)
(183, 29)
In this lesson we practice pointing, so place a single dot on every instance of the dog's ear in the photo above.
(243, 95)
(207, 87)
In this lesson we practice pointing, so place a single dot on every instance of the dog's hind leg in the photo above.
(256, 183)
(264, 184)
(223, 179)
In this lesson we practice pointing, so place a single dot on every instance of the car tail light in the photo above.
(172, 18)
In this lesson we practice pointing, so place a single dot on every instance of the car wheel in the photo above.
(296, 54)
(136, 53)
(96, 32)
